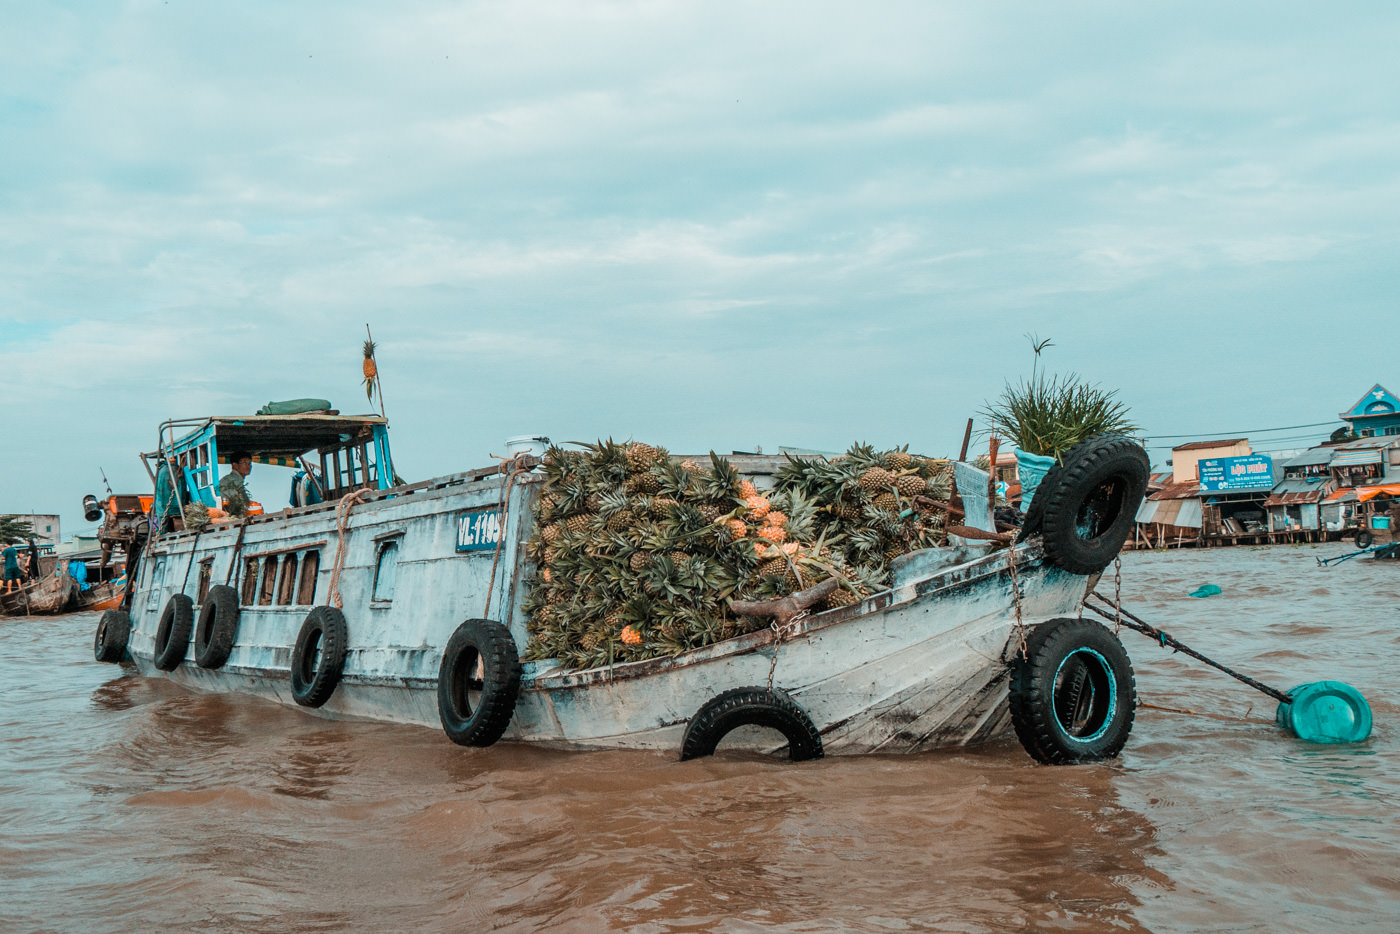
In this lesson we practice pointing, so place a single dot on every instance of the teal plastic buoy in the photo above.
(1205, 590)
(1325, 712)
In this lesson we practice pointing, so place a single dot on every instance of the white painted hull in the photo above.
(917, 667)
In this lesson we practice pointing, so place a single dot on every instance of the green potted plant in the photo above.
(1045, 416)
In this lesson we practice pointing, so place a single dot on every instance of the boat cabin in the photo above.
(337, 453)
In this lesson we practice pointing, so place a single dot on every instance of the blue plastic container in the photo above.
(1031, 469)
(1325, 712)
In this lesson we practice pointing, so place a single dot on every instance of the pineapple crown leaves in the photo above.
(723, 480)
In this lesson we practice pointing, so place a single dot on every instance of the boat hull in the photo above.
(917, 667)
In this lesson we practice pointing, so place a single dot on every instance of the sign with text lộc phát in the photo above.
(1236, 474)
(478, 530)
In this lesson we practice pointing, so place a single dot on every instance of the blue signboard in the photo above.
(479, 530)
(1236, 474)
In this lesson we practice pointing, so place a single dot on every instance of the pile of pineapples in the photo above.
(636, 553)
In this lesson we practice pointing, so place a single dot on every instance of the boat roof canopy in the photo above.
(347, 452)
(275, 438)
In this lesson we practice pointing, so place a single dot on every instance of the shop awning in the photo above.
(1354, 458)
(1179, 512)
(1367, 493)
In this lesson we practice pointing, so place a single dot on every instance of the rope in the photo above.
(1166, 641)
(342, 523)
(237, 549)
(512, 468)
(197, 532)
(1117, 595)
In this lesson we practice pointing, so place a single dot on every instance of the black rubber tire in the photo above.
(315, 674)
(478, 683)
(173, 632)
(1073, 696)
(1363, 538)
(113, 630)
(751, 706)
(217, 627)
(1090, 507)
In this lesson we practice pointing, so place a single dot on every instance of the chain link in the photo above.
(1117, 595)
(783, 631)
(1016, 600)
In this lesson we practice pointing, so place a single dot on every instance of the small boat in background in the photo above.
(51, 594)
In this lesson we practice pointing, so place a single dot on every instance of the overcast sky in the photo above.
(704, 225)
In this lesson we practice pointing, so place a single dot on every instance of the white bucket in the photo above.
(534, 445)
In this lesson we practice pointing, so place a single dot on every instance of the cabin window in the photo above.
(250, 581)
(287, 580)
(386, 570)
(269, 578)
(206, 569)
(306, 589)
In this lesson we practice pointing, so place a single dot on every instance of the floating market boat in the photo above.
(49, 595)
(411, 603)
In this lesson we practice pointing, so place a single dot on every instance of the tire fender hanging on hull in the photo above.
(1073, 696)
(478, 683)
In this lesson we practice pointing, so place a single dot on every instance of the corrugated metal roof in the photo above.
(1184, 513)
(1374, 441)
(1294, 499)
(1185, 490)
(1312, 456)
(1202, 445)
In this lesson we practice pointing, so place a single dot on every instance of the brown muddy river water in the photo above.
(128, 804)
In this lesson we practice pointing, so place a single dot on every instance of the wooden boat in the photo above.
(403, 603)
(54, 593)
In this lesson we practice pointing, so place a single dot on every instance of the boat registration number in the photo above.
(479, 530)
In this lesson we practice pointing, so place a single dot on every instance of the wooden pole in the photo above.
(967, 439)
(378, 386)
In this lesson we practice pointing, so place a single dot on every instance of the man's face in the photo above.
(243, 466)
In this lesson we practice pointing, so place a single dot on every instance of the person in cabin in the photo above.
(33, 560)
(165, 512)
(231, 488)
(12, 578)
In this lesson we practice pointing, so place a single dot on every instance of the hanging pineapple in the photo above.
(369, 369)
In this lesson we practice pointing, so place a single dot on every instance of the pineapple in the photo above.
(776, 518)
(630, 636)
(577, 523)
(899, 460)
(841, 596)
(911, 484)
(737, 528)
(876, 478)
(711, 512)
(639, 561)
(640, 457)
(550, 533)
(886, 501)
(773, 533)
(758, 506)
(621, 521)
(747, 489)
(645, 484)
(773, 567)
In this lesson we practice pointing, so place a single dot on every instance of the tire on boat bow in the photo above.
(218, 624)
(173, 632)
(113, 630)
(751, 706)
(1086, 505)
(478, 683)
(1073, 697)
(319, 656)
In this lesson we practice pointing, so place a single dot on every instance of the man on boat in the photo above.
(12, 578)
(231, 488)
